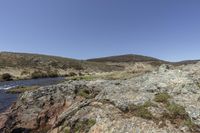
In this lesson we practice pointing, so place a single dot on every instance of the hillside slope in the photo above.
(22, 65)
(125, 58)
(133, 58)
(26, 66)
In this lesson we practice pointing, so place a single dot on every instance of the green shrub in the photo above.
(52, 74)
(162, 97)
(141, 110)
(76, 65)
(6, 77)
(85, 93)
(38, 74)
(177, 111)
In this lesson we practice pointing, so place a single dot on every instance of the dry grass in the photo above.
(116, 75)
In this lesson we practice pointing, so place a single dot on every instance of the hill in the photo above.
(124, 58)
(133, 58)
(26, 65)
(23, 65)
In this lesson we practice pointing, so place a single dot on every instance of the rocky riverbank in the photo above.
(163, 100)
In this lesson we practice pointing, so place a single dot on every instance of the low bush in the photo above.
(177, 111)
(162, 97)
(41, 74)
(52, 74)
(6, 77)
(141, 110)
(38, 74)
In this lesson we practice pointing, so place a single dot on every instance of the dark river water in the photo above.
(7, 99)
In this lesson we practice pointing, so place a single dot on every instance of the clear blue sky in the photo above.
(166, 29)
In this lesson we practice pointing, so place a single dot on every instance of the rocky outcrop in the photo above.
(165, 100)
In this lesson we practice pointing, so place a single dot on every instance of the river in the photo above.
(7, 99)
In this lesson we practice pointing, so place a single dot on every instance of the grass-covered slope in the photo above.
(23, 60)
(24, 65)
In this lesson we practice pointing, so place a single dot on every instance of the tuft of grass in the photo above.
(84, 126)
(162, 98)
(178, 115)
(84, 93)
(176, 111)
(141, 110)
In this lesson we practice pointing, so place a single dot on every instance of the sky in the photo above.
(82, 29)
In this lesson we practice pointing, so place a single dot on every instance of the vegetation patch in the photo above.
(6, 77)
(141, 110)
(40, 74)
(21, 89)
(162, 98)
(84, 126)
(175, 113)
(80, 126)
(106, 76)
(85, 92)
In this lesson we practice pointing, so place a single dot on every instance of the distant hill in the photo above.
(25, 60)
(186, 62)
(21, 60)
(132, 58)
(124, 58)
(25, 65)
